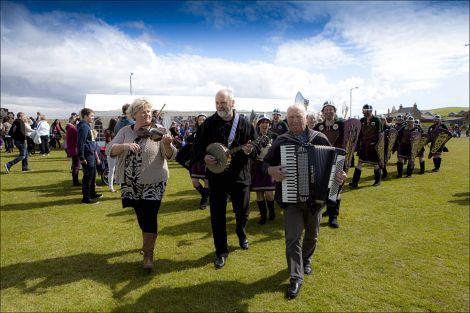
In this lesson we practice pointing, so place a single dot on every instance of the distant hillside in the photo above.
(445, 111)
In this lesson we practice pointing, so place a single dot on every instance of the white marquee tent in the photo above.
(107, 106)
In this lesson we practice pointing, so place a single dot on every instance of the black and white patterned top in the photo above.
(131, 189)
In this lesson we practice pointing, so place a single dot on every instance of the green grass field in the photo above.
(402, 246)
(446, 111)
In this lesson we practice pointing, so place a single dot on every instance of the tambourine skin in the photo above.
(219, 152)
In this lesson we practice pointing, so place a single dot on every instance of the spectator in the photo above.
(6, 137)
(56, 133)
(43, 130)
(87, 155)
(71, 135)
(108, 136)
(123, 120)
(18, 133)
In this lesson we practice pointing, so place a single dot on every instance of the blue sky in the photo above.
(55, 52)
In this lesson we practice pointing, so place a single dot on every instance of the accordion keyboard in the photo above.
(289, 184)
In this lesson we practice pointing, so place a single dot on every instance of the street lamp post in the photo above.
(130, 83)
(350, 100)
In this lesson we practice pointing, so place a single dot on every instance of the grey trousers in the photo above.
(296, 218)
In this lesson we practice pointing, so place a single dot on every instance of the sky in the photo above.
(55, 52)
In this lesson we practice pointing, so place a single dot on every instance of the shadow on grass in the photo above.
(464, 198)
(215, 296)
(101, 268)
(57, 191)
(180, 205)
(31, 172)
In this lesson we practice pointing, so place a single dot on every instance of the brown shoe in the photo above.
(148, 247)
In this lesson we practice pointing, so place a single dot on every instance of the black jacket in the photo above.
(18, 130)
(216, 130)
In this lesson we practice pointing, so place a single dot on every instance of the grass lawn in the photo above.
(402, 246)
(447, 110)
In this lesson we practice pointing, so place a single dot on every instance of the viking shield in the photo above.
(423, 141)
(253, 117)
(380, 149)
(352, 128)
(438, 140)
(415, 138)
(391, 139)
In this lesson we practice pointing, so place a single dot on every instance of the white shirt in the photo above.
(43, 128)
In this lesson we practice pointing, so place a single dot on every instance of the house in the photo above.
(413, 111)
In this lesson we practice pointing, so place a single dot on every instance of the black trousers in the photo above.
(89, 176)
(147, 212)
(45, 144)
(220, 187)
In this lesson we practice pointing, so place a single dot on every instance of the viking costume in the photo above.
(405, 146)
(432, 132)
(335, 135)
(371, 142)
(260, 181)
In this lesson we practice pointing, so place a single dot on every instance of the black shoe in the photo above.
(244, 244)
(89, 201)
(326, 213)
(308, 269)
(220, 262)
(353, 185)
(203, 203)
(384, 174)
(293, 290)
(435, 170)
(96, 196)
(333, 222)
(375, 184)
(262, 221)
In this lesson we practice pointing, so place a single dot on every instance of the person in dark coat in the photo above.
(226, 127)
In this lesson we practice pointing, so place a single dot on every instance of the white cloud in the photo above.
(392, 51)
(397, 48)
(314, 54)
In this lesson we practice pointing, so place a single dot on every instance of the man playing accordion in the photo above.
(300, 215)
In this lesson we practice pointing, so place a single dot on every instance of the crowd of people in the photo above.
(227, 157)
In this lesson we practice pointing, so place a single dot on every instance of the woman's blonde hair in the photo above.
(138, 105)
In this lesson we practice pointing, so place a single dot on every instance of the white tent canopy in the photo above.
(107, 106)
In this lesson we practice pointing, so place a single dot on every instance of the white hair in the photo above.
(227, 91)
(299, 107)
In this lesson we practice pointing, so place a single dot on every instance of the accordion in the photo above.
(311, 172)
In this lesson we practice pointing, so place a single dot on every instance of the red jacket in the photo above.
(71, 139)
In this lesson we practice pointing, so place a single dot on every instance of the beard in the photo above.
(224, 114)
